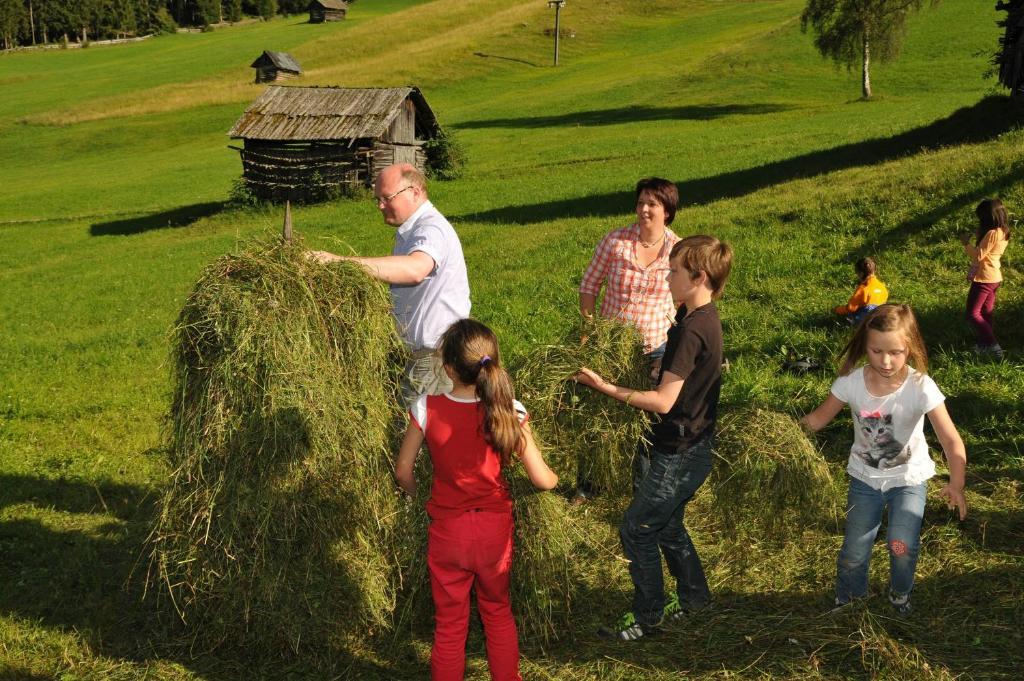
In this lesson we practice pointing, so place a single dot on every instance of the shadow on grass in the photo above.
(69, 572)
(790, 634)
(498, 56)
(980, 122)
(627, 114)
(176, 217)
(961, 203)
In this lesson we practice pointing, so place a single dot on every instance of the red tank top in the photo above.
(467, 471)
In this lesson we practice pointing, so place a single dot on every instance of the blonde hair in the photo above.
(470, 350)
(886, 318)
(703, 253)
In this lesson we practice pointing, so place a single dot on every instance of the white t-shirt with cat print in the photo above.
(889, 449)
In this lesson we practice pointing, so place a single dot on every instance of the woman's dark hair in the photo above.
(991, 215)
(865, 267)
(470, 350)
(664, 191)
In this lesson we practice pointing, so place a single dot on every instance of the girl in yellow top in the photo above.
(989, 244)
(870, 293)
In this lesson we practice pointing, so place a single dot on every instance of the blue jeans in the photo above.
(864, 506)
(662, 485)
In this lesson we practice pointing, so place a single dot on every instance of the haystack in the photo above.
(583, 428)
(770, 482)
(277, 527)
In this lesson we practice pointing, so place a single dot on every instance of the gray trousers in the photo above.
(424, 375)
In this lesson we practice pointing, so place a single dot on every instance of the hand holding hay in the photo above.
(588, 433)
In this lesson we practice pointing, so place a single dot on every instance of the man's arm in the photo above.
(393, 269)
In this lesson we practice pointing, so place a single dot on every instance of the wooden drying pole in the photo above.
(557, 4)
(286, 231)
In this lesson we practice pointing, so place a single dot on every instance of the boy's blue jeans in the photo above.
(653, 526)
(864, 506)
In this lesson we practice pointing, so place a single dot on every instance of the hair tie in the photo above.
(485, 359)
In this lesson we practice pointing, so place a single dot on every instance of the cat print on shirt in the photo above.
(884, 450)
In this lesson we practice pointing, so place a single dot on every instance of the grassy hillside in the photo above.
(114, 172)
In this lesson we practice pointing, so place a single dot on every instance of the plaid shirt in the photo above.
(634, 294)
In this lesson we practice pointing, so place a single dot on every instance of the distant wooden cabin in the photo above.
(327, 10)
(311, 143)
(274, 66)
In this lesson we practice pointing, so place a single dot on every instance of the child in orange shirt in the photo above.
(870, 293)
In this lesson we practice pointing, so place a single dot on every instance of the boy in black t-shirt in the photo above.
(668, 471)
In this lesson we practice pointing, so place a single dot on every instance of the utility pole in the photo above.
(557, 4)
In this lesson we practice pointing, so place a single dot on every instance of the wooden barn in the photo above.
(313, 143)
(327, 10)
(274, 66)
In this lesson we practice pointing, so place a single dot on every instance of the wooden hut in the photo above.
(274, 66)
(312, 143)
(327, 10)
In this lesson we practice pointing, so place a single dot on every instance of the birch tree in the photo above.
(856, 31)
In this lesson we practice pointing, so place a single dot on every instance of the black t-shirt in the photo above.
(694, 352)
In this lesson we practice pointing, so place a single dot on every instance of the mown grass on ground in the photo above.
(114, 172)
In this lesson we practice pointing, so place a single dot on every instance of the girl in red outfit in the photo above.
(471, 433)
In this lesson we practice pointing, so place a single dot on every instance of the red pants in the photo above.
(472, 549)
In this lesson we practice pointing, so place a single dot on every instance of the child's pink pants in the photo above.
(473, 549)
(981, 299)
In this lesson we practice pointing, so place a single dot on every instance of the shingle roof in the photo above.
(331, 4)
(281, 60)
(328, 113)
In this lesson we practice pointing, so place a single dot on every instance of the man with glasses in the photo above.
(426, 272)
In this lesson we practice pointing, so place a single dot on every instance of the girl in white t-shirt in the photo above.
(889, 464)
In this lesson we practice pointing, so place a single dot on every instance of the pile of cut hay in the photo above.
(277, 529)
(544, 574)
(583, 428)
(770, 482)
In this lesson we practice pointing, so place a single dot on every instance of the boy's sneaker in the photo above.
(628, 629)
(900, 603)
(996, 351)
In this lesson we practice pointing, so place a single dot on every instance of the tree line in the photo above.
(40, 22)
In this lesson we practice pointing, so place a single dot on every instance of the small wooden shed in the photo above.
(312, 143)
(327, 10)
(274, 66)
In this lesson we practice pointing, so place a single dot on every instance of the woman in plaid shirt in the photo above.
(633, 262)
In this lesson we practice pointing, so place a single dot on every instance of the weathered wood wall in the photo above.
(303, 172)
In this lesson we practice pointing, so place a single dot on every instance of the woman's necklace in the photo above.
(653, 242)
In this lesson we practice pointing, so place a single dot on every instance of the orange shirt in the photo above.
(985, 257)
(870, 292)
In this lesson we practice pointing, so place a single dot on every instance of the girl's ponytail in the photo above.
(470, 350)
(501, 423)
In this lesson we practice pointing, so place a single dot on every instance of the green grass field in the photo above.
(114, 173)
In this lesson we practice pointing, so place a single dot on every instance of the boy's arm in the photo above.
(537, 469)
(823, 415)
(956, 458)
(407, 452)
(659, 400)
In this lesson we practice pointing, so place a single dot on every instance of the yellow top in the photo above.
(985, 257)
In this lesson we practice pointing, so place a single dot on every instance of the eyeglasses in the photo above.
(386, 199)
